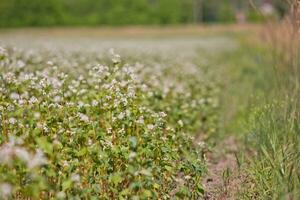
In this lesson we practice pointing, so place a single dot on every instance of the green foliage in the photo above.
(215, 11)
(71, 128)
(35, 13)
(227, 13)
(14, 13)
(255, 16)
(91, 12)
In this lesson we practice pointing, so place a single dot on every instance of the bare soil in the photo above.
(223, 179)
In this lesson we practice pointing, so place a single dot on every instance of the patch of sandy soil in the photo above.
(223, 179)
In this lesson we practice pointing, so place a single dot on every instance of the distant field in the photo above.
(166, 42)
(136, 31)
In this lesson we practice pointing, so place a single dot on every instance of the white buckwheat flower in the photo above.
(75, 177)
(116, 58)
(180, 123)
(12, 120)
(14, 96)
(95, 103)
(33, 100)
(140, 120)
(5, 190)
(83, 117)
(162, 114)
(37, 160)
(150, 126)
(121, 116)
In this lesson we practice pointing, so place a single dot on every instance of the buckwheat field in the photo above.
(83, 122)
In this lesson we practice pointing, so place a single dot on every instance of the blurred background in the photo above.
(24, 13)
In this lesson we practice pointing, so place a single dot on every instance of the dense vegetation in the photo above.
(80, 122)
(74, 128)
(121, 12)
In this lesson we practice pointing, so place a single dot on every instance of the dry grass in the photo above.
(284, 39)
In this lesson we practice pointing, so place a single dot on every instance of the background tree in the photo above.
(124, 12)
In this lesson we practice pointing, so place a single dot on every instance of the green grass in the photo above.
(262, 111)
(275, 138)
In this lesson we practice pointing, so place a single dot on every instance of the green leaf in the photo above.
(200, 189)
(133, 142)
(183, 192)
(135, 185)
(66, 184)
(147, 194)
(168, 168)
(156, 186)
(45, 145)
(82, 152)
(115, 179)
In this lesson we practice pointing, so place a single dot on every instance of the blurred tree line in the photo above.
(122, 12)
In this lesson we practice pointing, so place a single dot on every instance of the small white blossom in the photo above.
(61, 195)
(140, 120)
(75, 177)
(33, 100)
(37, 115)
(162, 114)
(22, 154)
(37, 160)
(132, 155)
(121, 116)
(65, 163)
(20, 64)
(5, 190)
(83, 117)
(12, 120)
(180, 123)
(95, 103)
(3, 52)
(80, 104)
(49, 63)
(150, 126)
(14, 96)
(57, 99)
(116, 58)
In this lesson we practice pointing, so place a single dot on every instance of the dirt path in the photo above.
(223, 179)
